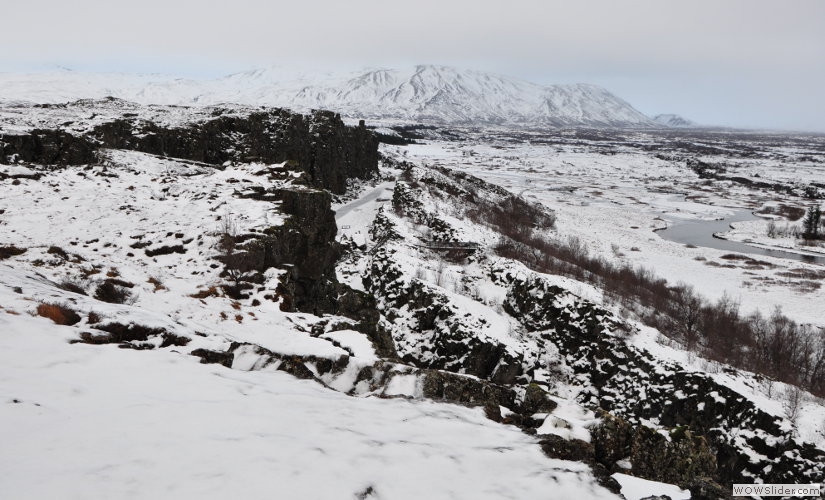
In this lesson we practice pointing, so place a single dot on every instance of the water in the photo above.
(700, 233)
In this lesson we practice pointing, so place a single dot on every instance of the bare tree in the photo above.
(687, 312)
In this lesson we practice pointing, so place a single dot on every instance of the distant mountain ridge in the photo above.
(674, 121)
(423, 93)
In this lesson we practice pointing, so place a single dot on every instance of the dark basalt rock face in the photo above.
(451, 342)
(305, 246)
(319, 144)
(47, 147)
(362, 307)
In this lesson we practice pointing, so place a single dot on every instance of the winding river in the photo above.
(701, 234)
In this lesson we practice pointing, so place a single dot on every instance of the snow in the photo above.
(569, 421)
(634, 488)
(16, 170)
(89, 421)
(403, 385)
(354, 342)
(101, 422)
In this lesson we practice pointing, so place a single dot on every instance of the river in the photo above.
(701, 234)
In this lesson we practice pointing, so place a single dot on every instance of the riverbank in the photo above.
(742, 232)
(755, 233)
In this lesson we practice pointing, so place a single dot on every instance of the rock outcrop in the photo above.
(47, 147)
(319, 144)
(629, 382)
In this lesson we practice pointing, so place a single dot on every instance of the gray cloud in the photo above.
(737, 62)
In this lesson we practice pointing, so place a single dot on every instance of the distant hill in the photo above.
(675, 121)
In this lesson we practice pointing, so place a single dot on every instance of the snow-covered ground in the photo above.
(87, 421)
(95, 421)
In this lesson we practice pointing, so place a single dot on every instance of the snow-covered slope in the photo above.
(422, 93)
(675, 121)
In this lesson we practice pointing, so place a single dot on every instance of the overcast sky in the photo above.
(752, 63)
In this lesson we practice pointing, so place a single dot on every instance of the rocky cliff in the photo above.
(318, 144)
(313, 154)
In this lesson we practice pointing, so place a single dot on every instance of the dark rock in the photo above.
(605, 478)
(305, 246)
(632, 384)
(214, 357)
(319, 144)
(362, 307)
(48, 147)
(453, 344)
(294, 365)
(456, 388)
(132, 335)
(493, 412)
(165, 250)
(676, 461)
(536, 400)
(703, 488)
(612, 439)
(564, 449)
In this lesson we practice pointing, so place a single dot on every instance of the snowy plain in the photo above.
(614, 202)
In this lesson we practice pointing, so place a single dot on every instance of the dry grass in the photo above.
(209, 292)
(156, 283)
(61, 314)
(10, 251)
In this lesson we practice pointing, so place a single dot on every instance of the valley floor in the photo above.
(613, 197)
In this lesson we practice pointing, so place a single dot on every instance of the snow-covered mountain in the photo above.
(422, 93)
(440, 94)
(674, 121)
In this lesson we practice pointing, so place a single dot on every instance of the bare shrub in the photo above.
(776, 346)
(73, 286)
(54, 250)
(771, 230)
(156, 283)
(209, 292)
(113, 293)
(10, 251)
(61, 314)
(793, 402)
